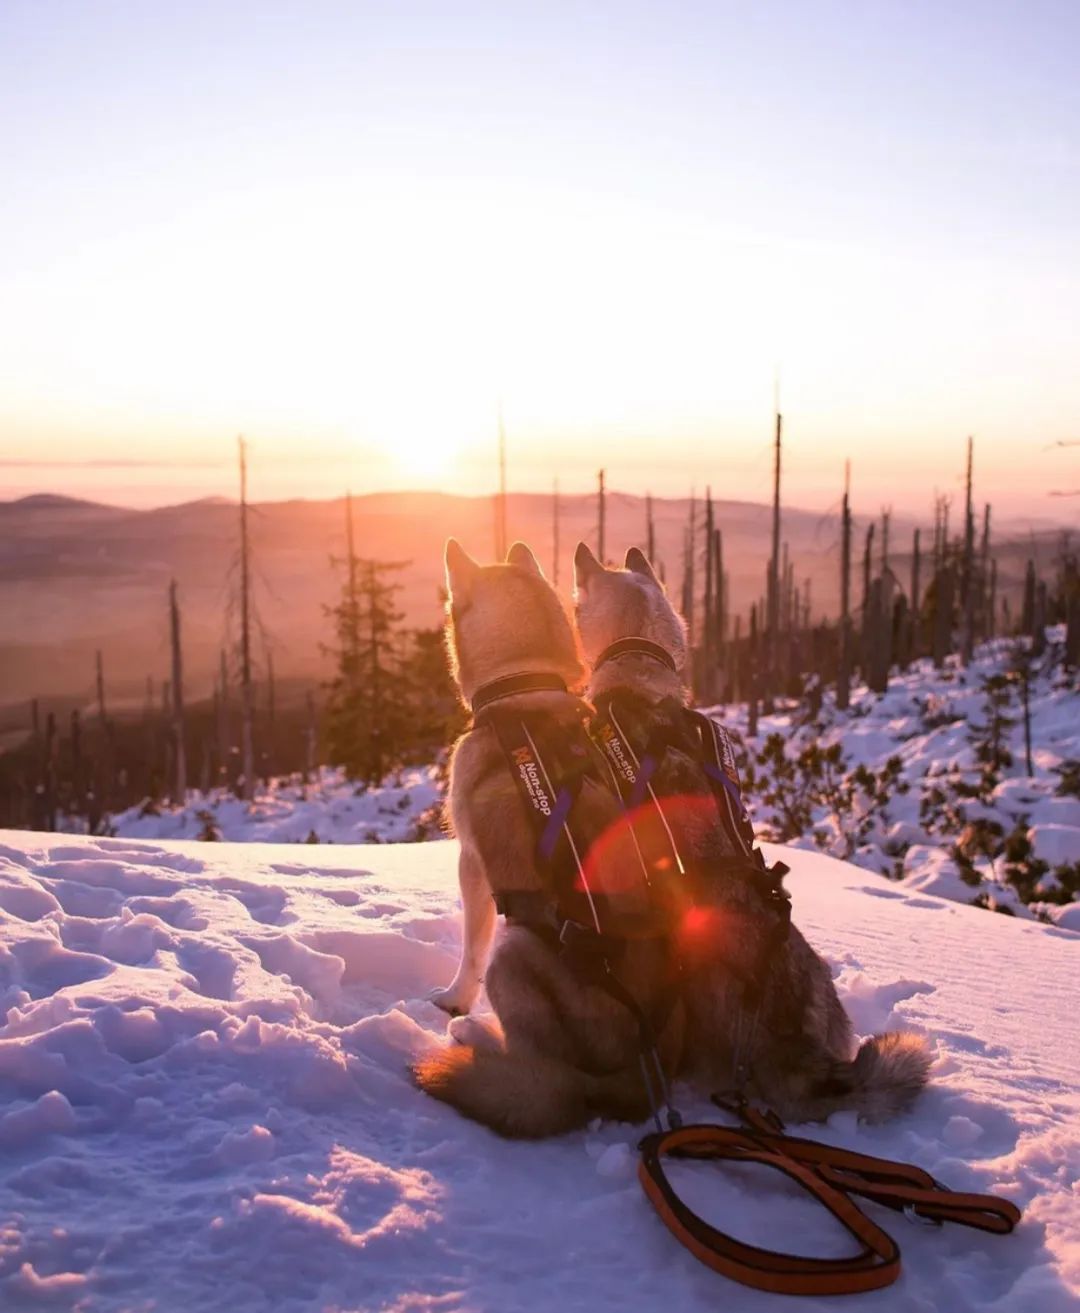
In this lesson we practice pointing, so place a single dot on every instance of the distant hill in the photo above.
(76, 575)
(51, 501)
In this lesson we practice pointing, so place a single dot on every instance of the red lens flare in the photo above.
(613, 864)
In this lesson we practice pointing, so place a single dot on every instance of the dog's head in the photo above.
(505, 620)
(627, 603)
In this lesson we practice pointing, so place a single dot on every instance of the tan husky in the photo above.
(793, 1047)
(568, 1050)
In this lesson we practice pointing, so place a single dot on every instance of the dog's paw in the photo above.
(476, 1032)
(452, 999)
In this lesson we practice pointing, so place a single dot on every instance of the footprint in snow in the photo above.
(264, 903)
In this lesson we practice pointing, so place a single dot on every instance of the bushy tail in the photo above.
(525, 1096)
(886, 1075)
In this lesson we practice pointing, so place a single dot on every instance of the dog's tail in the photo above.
(885, 1076)
(523, 1095)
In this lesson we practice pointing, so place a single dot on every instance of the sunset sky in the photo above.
(349, 230)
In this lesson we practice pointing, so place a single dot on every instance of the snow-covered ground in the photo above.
(931, 720)
(934, 722)
(329, 809)
(204, 1063)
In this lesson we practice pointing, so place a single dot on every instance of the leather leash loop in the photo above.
(831, 1175)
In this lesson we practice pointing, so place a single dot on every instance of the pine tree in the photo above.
(368, 710)
(438, 716)
(367, 716)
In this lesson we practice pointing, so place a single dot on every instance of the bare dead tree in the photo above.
(943, 614)
(752, 725)
(707, 635)
(886, 517)
(247, 685)
(967, 579)
(992, 618)
(843, 680)
(689, 602)
(986, 617)
(223, 719)
(772, 622)
(179, 744)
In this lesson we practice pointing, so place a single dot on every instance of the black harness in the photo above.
(553, 760)
(552, 756)
(637, 736)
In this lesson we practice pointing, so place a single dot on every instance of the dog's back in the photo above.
(570, 1048)
(761, 1004)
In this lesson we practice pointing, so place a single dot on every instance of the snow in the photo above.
(329, 809)
(1056, 844)
(204, 1061)
(928, 720)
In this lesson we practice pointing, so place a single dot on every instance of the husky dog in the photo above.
(568, 1050)
(762, 1014)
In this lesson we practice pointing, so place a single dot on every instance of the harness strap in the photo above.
(831, 1175)
(718, 762)
(549, 790)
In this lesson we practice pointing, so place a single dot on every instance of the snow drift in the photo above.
(204, 1056)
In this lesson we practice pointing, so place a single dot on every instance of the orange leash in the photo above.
(831, 1175)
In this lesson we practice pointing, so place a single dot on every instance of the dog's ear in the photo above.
(520, 554)
(461, 571)
(638, 562)
(586, 567)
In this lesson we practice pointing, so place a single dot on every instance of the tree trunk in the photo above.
(247, 689)
(754, 680)
(967, 581)
(843, 678)
(179, 743)
(916, 598)
(943, 611)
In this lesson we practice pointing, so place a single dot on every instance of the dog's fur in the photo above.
(799, 1046)
(568, 1051)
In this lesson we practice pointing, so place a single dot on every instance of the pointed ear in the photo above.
(519, 554)
(461, 570)
(638, 562)
(586, 567)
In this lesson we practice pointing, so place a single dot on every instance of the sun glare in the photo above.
(426, 441)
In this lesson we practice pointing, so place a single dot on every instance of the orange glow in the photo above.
(612, 864)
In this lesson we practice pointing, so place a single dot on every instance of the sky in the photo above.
(357, 233)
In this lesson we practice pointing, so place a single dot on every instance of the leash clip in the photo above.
(917, 1219)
